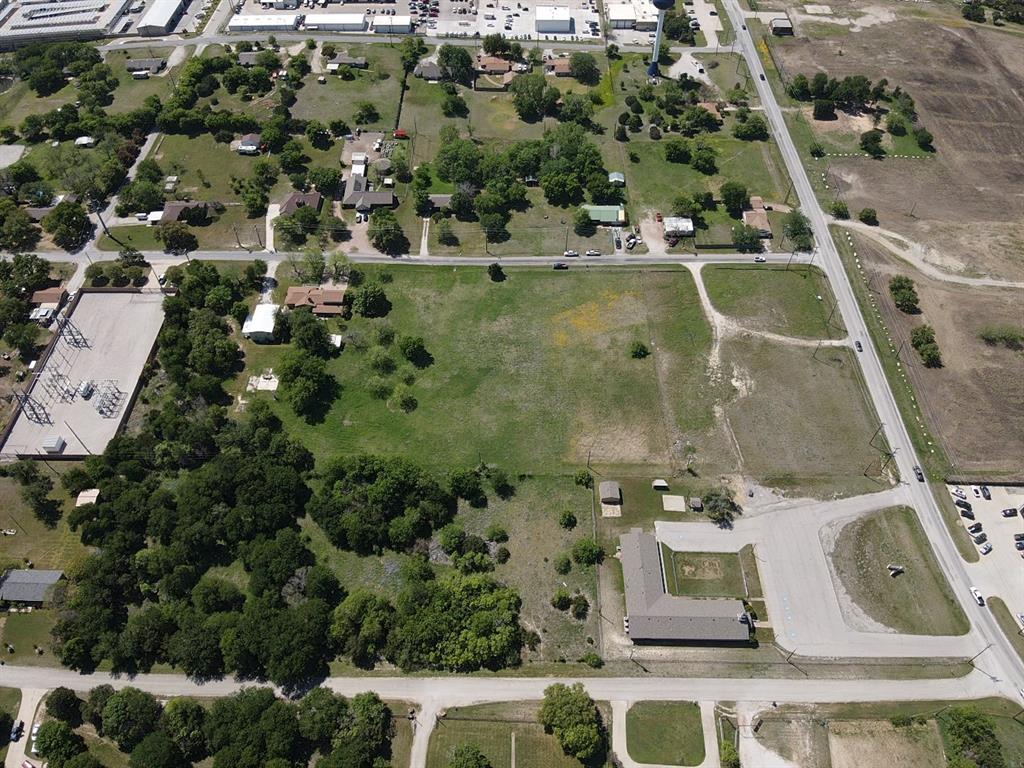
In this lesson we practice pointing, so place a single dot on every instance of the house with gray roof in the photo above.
(360, 196)
(28, 587)
(655, 616)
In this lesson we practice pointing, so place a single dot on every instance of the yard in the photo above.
(918, 601)
(795, 301)
(665, 733)
(380, 84)
(131, 93)
(494, 728)
(704, 574)
(224, 232)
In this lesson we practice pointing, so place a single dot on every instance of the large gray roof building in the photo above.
(658, 617)
(27, 586)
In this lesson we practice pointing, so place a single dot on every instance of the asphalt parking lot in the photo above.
(515, 19)
(1000, 573)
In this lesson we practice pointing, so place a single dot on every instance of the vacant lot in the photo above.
(800, 418)
(917, 601)
(532, 373)
(963, 201)
(379, 84)
(794, 302)
(494, 728)
(704, 574)
(853, 744)
(206, 167)
(974, 413)
(665, 733)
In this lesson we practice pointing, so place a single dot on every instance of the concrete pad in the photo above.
(818, 10)
(10, 154)
(673, 503)
(107, 340)
(611, 510)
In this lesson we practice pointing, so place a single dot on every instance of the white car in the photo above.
(976, 491)
(985, 548)
(959, 493)
(760, 259)
(976, 594)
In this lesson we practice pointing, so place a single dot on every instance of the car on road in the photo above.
(976, 594)
(593, 252)
(976, 528)
(570, 254)
(985, 548)
(1009, 512)
(986, 493)
(762, 78)
(965, 505)
(858, 346)
(559, 265)
(918, 474)
(760, 259)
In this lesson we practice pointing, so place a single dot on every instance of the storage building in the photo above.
(622, 15)
(263, 22)
(554, 19)
(28, 587)
(610, 215)
(392, 25)
(259, 325)
(336, 22)
(678, 226)
(160, 17)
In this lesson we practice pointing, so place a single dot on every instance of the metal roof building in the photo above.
(263, 22)
(160, 17)
(658, 617)
(554, 18)
(28, 586)
(336, 22)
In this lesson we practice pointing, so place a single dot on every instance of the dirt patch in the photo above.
(703, 568)
(844, 122)
(854, 744)
(971, 404)
(967, 198)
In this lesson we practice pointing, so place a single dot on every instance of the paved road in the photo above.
(1000, 657)
(30, 698)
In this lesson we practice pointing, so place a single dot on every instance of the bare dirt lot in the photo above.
(858, 743)
(975, 402)
(969, 91)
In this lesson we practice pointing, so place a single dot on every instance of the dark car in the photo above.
(762, 77)
(986, 493)
(976, 528)
(559, 265)
(964, 505)
(1020, 546)
(918, 474)
(967, 513)
(859, 347)
(1018, 537)
(1010, 512)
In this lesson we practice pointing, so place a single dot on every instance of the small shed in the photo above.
(696, 504)
(90, 496)
(54, 444)
(85, 141)
(611, 492)
(618, 178)
(659, 485)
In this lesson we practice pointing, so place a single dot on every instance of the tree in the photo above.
(455, 63)
(746, 239)
(128, 716)
(572, 716)
(69, 225)
(58, 743)
(183, 720)
(583, 67)
(720, 506)
(904, 294)
(703, 157)
(839, 209)
(677, 150)
(735, 198)
(371, 301)
(587, 551)
(139, 196)
(366, 112)
(17, 231)
(924, 138)
(305, 383)
(799, 88)
(871, 142)
(529, 96)
(754, 128)
(83, 760)
(410, 51)
(468, 756)
(824, 109)
(638, 350)
(176, 237)
(157, 750)
(361, 625)
(576, 108)
(797, 228)
(973, 12)
(868, 216)
(385, 232)
(92, 709)
(64, 704)
(414, 349)
(495, 272)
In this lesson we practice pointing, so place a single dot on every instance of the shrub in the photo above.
(567, 520)
(561, 599)
(580, 607)
(904, 294)
(1006, 335)
(502, 554)
(584, 479)
(720, 506)
(592, 660)
(563, 564)
(496, 533)
(586, 551)
(638, 350)
(839, 209)
(868, 216)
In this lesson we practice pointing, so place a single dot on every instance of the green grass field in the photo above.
(23, 631)
(918, 601)
(205, 167)
(219, 234)
(492, 727)
(1010, 626)
(665, 733)
(57, 547)
(10, 700)
(380, 83)
(704, 574)
(130, 92)
(19, 101)
(801, 419)
(532, 373)
(793, 302)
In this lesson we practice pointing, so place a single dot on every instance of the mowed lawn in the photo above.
(800, 418)
(918, 601)
(532, 373)
(665, 733)
(380, 84)
(492, 728)
(704, 574)
(793, 302)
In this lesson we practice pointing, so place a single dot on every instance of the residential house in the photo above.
(428, 70)
(248, 58)
(150, 66)
(492, 65)
(780, 27)
(757, 217)
(609, 215)
(558, 68)
(344, 60)
(250, 144)
(440, 202)
(359, 194)
(181, 210)
(323, 302)
(259, 325)
(28, 587)
(297, 200)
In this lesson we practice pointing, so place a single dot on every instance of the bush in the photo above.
(561, 599)
(580, 607)
(502, 554)
(496, 533)
(904, 294)
(638, 350)
(584, 479)
(1005, 335)
(839, 209)
(592, 660)
(563, 564)
(868, 216)
(567, 520)
(586, 551)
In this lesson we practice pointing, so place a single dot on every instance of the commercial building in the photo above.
(655, 616)
(554, 19)
(335, 22)
(263, 23)
(160, 17)
(780, 27)
(622, 15)
(259, 325)
(53, 20)
(392, 25)
(28, 587)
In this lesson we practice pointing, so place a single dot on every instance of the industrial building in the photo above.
(53, 20)
(263, 22)
(622, 15)
(655, 616)
(392, 25)
(335, 22)
(160, 17)
(554, 19)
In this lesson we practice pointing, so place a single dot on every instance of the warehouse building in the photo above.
(335, 22)
(160, 17)
(263, 23)
(622, 15)
(392, 25)
(554, 19)
(655, 616)
(53, 20)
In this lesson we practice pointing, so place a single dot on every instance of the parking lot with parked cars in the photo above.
(992, 516)
(515, 19)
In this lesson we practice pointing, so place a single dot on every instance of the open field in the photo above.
(539, 365)
(492, 727)
(217, 235)
(18, 101)
(918, 601)
(976, 418)
(666, 733)
(855, 744)
(131, 93)
(380, 84)
(703, 574)
(962, 201)
(776, 299)
(26, 630)
(801, 419)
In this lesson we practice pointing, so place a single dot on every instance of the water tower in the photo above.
(662, 6)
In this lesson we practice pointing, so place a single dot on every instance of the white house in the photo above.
(259, 325)
(554, 19)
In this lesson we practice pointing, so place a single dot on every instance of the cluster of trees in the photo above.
(750, 126)
(35, 490)
(46, 67)
(972, 739)
(922, 338)
(797, 228)
(746, 239)
(696, 152)
(250, 729)
(305, 383)
(20, 277)
(904, 294)
(720, 506)
(572, 716)
(413, 350)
